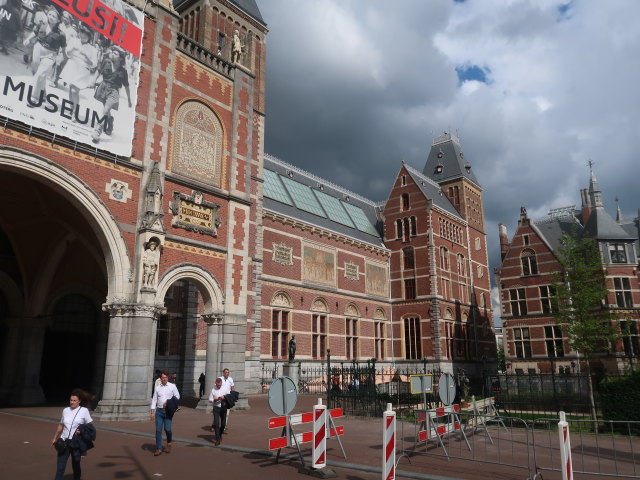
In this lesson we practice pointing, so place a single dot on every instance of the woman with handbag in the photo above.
(72, 417)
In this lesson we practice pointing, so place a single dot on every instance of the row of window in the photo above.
(451, 231)
(518, 300)
(281, 330)
(406, 227)
(554, 341)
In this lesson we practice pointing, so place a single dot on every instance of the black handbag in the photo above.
(62, 445)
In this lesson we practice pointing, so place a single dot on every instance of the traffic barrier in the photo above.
(565, 448)
(318, 456)
(484, 411)
(332, 430)
(430, 429)
(389, 444)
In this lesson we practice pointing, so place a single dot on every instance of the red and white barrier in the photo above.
(302, 418)
(319, 453)
(389, 444)
(565, 448)
(429, 429)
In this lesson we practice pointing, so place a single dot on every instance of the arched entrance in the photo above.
(60, 250)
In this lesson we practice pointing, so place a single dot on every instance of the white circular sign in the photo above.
(283, 396)
(447, 388)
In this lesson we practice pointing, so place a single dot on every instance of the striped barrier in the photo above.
(300, 419)
(318, 456)
(389, 444)
(430, 429)
(565, 448)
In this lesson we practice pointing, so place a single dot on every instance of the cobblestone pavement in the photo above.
(124, 450)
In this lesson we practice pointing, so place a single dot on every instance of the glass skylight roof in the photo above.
(274, 189)
(303, 197)
(360, 219)
(334, 209)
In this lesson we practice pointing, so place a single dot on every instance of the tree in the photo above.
(502, 361)
(580, 301)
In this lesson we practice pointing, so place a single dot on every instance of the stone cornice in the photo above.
(212, 318)
(325, 233)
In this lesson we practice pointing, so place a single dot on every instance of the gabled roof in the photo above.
(433, 192)
(446, 161)
(550, 229)
(300, 195)
(603, 227)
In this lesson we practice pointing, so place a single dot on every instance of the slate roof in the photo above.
(551, 229)
(603, 227)
(368, 207)
(433, 192)
(248, 6)
(446, 161)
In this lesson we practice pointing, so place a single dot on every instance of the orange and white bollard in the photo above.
(319, 453)
(565, 448)
(389, 445)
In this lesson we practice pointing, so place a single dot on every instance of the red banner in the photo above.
(104, 20)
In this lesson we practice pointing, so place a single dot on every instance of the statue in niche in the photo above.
(292, 348)
(236, 47)
(150, 262)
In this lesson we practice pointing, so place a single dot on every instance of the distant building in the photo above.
(533, 340)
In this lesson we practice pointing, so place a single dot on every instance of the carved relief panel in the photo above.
(197, 144)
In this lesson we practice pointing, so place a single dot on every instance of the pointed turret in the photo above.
(446, 160)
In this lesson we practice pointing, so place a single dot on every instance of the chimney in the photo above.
(504, 240)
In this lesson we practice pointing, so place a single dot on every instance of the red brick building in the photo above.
(157, 235)
(533, 341)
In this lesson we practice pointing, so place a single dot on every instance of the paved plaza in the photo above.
(124, 450)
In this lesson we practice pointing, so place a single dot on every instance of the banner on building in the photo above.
(71, 67)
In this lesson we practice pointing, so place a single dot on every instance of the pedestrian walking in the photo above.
(216, 397)
(74, 435)
(228, 381)
(162, 396)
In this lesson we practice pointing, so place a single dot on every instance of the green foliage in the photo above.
(620, 396)
(502, 361)
(580, 296)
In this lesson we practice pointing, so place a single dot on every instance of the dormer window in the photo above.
(529, 262)
(438, 169)
(617, 253)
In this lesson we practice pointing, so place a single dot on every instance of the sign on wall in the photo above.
(72, 68)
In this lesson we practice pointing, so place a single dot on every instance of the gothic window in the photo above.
(412, 339)
(518, 302)
(197, 144)
(319, 336)
(553, 340)
(630, 337)
(547, 293)
(529, 262)
(461, 264)
(617, 253)
(279, 333)
(405, 201)
(408, 256)
(522, 342)
(399, 228)
(410, 289)
(622, 289)
(351, 338)
(414, 226)
(444, 258)
(379, 339)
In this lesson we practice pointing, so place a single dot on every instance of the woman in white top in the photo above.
(72, 417)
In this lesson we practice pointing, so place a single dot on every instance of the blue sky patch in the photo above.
(472, 72)
(564, 10)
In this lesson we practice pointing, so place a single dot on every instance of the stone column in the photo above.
(128, 373)
(212, 369)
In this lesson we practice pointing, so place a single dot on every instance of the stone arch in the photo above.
(198, 143)
(89, 204)
(281, 299)
(379, 314)
(319, 304)
(448, 314)
(207, 284)
(352, 310)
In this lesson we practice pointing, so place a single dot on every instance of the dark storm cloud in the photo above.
(354, 87)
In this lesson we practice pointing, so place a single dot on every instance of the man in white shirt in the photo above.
(161, 394)
(219, 410)
(228, 381)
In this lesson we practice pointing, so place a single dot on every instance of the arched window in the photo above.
(444, 258)
(412, 339)
(414, 226)
(529, 262)
(319, 328)
(280, 325)
(399, 228)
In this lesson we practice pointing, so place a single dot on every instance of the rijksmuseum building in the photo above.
(143, 227)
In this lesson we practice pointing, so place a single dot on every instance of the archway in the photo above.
(65, 258)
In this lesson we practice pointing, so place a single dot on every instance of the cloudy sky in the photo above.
(533, 88)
